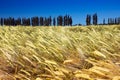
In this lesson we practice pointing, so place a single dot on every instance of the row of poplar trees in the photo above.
(112, 21)
(59, 21)
(94, 18)
(37, 21)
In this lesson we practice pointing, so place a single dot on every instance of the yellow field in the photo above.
(60, 53)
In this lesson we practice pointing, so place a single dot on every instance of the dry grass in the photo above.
(60, 53)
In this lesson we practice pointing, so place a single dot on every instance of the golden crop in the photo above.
(60, 53)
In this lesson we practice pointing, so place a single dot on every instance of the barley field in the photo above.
(60, 53)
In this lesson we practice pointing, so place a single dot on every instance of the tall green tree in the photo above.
(41, 21)
(65, 20)
(70, 21)
(88, 19)
(1, 21)
(5, 21)
(95, 19)
(50, 21)
(119, 20)
(104, 22)
(35, 21)
(60, 21)
(26, 21)
(54, 22)
(18, 21)
(116, 21)
(46, 21)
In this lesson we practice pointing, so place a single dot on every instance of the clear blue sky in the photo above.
(78, 9)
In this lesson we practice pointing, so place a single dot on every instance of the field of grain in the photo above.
(60, 53)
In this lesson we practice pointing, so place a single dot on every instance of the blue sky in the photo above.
(78, 9)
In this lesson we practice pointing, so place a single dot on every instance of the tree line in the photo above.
(38, 21)
(55, 21)
(93, 20)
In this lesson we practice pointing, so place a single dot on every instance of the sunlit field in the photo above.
(60, 53)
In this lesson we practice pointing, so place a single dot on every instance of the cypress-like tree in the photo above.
(11, 21)
(108, 21)
(18, 21)
(88, 19)
(50, 21)
(104, 22)
(46, 22)
(65, 20)
(54, 22)
(1, 21)
(26, 21)
(35, 21)
(116, 21)
(41, 21)
(119, 20)
(5, 21)
(112, 21)
(60, 21)
(23, 21)
(95, 19)
(70, 21)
